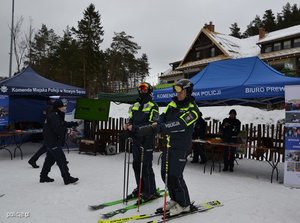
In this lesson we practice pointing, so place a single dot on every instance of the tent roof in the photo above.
(244, 81)
(29, 82)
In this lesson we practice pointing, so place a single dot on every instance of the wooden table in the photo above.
(273, 160)
(15, 138)
(215, 144)
(3, 142)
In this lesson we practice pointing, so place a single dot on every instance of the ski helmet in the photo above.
(184, 84)
(144, 88)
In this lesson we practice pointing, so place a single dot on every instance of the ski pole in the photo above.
(166, 182)
(141, 177)
(128, 165)
(126, 169)
(124, 176)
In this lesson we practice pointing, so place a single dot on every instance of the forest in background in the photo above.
(76, 58)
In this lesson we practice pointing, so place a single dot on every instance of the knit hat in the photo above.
(232, 111)
(58, 104)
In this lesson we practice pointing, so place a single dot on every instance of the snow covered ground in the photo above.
(247, 193)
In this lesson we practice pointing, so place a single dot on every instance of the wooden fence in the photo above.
(254, 135)
(112, 130)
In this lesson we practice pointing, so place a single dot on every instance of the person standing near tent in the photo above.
(32, 161)
(143, 112)
(54, 132)
(230, 128)
(177, 124)
(199, 133)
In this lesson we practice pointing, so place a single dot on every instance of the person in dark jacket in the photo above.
(54, 132)
(177, 124)
(32, 161)
(230, 128)
(199, 133)
(143, 112)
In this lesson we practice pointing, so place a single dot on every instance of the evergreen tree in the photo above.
(68, 68)
(290, 16)
(295, 16)
(123, 65)
(89, 35)
(253, 27)
(268, 22)
(143, 67)
(43, 48)
(235, 31)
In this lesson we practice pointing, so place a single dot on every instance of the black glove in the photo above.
(146, 130)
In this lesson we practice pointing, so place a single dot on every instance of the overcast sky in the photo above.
(165, 29)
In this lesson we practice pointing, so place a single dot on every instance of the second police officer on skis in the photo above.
(143, 112)
(177, 124)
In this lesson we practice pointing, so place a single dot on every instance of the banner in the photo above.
(292, 136)
(4, 111)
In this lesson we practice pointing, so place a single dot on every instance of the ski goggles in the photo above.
(177, 88)
(143, 88)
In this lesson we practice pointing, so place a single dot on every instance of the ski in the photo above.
(130, 218)
(129, 207)
(115, 202)
(200, 208)
(110, 203)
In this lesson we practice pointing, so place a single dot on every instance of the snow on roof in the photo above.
(235, 47)
(294, 30)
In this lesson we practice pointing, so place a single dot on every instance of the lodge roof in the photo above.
(233, 48)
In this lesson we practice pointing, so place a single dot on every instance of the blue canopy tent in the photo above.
(28, 82)
(29, 92)
(246, 81)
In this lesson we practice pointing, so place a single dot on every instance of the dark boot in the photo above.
(33, 163)
(46, 179)
(70, 180)
(146, 198)
(134, 194)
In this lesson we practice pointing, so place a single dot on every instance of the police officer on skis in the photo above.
(143, 112)
(177, 124)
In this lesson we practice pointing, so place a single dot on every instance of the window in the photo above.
(277, 46)
(197, 54)
(297, 42)
(213, 52)
(268, 48)
(287, 44)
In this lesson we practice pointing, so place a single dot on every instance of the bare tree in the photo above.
(18, 48)
(28, 41)
(21, 42)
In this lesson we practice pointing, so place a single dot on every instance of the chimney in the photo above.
(210, 27)
(261, 33)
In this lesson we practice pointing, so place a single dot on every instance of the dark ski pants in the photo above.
(148, 177)
(228, 157)
(57, 155)
(38, 153)
(177, 188)
(198, 150)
